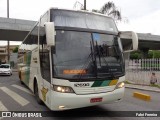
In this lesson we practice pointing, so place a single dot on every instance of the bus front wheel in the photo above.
(20, 78)
(39, 101)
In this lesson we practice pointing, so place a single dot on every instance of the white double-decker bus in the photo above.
(73, 59)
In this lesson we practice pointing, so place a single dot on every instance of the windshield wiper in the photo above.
(100, 55)
(94, 59)
(90, 59)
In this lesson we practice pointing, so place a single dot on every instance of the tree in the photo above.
(154, 54)
(151, 54)
(15, 50)
(108, 8)
(135, 55)
(111, 10)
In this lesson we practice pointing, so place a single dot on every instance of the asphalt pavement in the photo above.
(17, 97)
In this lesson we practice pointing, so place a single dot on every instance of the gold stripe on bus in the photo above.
(113, 82)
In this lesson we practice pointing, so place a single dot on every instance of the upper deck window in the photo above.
(78, 19)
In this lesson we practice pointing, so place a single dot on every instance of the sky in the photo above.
(142, 16)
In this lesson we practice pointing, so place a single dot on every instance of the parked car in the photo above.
(5, 69)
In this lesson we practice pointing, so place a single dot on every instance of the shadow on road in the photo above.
(95, 111)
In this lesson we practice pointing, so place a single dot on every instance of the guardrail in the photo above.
(140, 71)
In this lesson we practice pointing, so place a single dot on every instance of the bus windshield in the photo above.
(83, 20)
(86, 55)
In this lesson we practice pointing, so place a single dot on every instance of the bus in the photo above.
(73, 59)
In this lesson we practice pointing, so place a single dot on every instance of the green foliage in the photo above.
(127, 82)
(135, 55)
(155, 85)
(151, 54)
(94, 10)
(154, 54)
(15, 49)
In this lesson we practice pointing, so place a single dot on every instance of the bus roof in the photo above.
(82, 19)
(83, 11)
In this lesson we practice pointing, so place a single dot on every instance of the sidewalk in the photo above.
(143, 87)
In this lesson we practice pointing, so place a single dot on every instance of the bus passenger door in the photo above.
(44, 56)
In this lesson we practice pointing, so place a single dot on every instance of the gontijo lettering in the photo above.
(81, 84)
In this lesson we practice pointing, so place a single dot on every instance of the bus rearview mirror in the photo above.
(50, 33)
(129, 40)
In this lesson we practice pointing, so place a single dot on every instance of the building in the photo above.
(4, 53)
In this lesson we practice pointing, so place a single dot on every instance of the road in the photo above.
(17, 97)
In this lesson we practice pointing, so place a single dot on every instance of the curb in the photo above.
(158, 91)
(142, 96)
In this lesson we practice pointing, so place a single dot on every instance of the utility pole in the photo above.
(8, 40)
(84, 4)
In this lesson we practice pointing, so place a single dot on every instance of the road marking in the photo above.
(2, 108)
(22, 88)
(15, 96)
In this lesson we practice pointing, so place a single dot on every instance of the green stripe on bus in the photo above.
(97, 84)
(27, 72)
(28, 62)
(105, 83)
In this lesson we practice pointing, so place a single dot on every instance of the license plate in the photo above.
(93, 100)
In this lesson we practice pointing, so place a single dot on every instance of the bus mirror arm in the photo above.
(50, 33)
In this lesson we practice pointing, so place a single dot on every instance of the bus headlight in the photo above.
(119, 85)
(62, 89)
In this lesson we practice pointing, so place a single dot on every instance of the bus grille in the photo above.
(94, 90)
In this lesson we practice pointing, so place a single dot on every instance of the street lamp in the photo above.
(8, 40)
(84, 4)
(7, 8)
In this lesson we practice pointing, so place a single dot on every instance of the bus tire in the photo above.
(39, 101)
(19, 75)
(20, 78)
(21, 82)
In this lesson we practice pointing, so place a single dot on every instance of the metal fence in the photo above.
(140, 71)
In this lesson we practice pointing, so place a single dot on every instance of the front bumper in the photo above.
(64, 101)
(5, 73)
